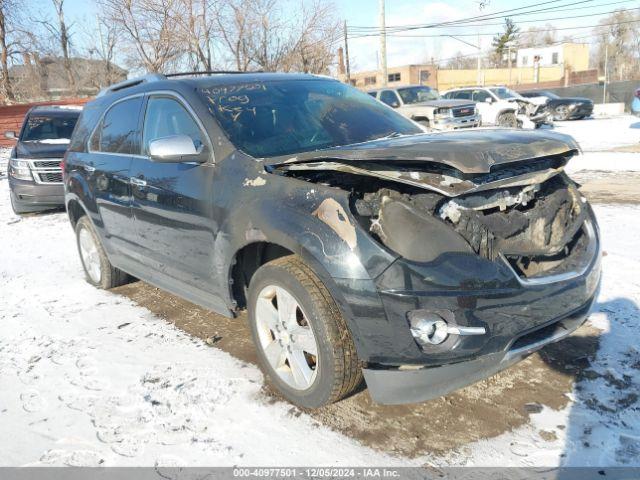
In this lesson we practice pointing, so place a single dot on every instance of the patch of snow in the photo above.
(89, 378)
(605, 161)
(601, 425)
(597, 134)
(54, 141)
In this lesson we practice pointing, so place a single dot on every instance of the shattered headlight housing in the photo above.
(20, 169)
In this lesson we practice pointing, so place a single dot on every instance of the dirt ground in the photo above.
(443, 424)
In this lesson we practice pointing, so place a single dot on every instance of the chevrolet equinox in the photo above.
(360, 245)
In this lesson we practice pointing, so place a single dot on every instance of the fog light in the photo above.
(428, 327)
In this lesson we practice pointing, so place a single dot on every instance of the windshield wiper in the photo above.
(391, 135)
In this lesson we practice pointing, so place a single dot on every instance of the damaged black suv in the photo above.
(358, 243)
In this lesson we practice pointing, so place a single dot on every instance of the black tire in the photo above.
(20, 209)
(561, 113)
(338, 372)
(507, 120)
(424, 122)
(110, 276)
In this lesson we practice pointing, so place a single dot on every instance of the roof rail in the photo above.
(209, 72)
(132, 82)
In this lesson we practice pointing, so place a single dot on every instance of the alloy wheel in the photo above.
(286, 337)
(90, 256)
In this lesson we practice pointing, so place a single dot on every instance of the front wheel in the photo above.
(561, 113)
(97, 267)
(507, 120)
(301, 337)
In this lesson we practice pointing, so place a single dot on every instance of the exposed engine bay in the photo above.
(530, 213)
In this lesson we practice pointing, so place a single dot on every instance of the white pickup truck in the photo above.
(424, 105)
(501, 106)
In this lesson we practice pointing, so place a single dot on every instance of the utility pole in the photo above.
(481, 5)
(606, 70)
(346, 53)
(383, 45)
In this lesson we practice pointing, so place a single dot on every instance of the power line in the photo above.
(539, 20)
(440, 35)
(488, 16)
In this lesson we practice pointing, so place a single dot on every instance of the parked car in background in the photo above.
(358, 243)
(424, 105)
(501, 106)
(35, 175)
(635, 103)
(562, 108)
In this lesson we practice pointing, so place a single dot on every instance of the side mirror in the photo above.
(394, 104)
(488, 100)
(10, 134)
(175, 149)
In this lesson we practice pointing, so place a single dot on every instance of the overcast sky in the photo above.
(405, 50)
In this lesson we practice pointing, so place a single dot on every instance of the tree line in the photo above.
(162, 36)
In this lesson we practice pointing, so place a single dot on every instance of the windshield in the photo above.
(45, 129)
(418, 94)
(273, 118)
(504, 93)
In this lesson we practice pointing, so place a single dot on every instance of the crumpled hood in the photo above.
(472, 151)
(40, 150)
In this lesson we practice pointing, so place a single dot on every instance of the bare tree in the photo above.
(6, 7)
(101, 42)
(619, 38)
(462, 62)
(149, 34)
(234, 26)
(197, 28)
(315, 36)
(538, 36)
(60, 32)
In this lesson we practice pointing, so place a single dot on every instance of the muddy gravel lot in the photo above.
(443, 424)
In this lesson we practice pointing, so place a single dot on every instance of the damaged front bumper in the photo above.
(456, 123)
(519, 317)
(391, 386)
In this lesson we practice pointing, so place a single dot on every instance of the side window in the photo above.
(480, 96)
(165, 117)
(390, 98)
(463, 95)
(118, 132)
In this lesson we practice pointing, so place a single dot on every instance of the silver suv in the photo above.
(424, 105)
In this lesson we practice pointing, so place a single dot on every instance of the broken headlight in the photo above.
(19, 169)
(412, 231)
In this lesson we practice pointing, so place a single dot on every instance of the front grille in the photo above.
(50, 177)
(47, 163)
(464, 111)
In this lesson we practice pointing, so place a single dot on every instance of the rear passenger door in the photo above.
(112, 146)
(172, 201)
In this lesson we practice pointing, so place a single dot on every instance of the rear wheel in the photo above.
(302, 339)
(98, 270)
(507, 120)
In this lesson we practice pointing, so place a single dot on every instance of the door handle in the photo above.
(138, 182)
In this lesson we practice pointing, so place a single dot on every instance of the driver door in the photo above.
(171, 202)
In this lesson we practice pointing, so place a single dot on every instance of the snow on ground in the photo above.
(597, 134)
(601, 424)
(89, 378)
(605, 162)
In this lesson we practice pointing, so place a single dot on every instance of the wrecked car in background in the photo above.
(502, 107)
(358, 243)
(424, 105)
